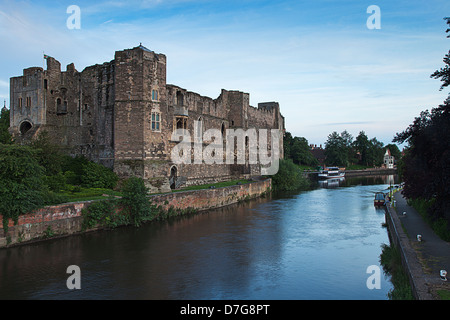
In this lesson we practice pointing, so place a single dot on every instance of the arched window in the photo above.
(25, 127)
(156, 121)
(61, 107)
(154, 95)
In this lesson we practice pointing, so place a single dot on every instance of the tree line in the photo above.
(425, 167)
(340, 150)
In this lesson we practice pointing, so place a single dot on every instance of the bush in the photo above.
(102, 213)
(289, 177)
(21, 183)
(97, 176)
(135, 201)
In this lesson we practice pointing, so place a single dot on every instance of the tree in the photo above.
(297, 149)
(5, 137)
(426, 165)
(135, 201)
(21, 182)
(444, 73)
(361, 146)
(289, 177)
(337, 149)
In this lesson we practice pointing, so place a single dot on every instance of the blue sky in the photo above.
(318, 59)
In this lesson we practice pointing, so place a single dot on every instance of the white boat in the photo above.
(331, 173)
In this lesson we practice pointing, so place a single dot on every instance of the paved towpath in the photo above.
(432, 251)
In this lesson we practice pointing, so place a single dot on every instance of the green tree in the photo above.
(21, 182)
(47, 153)
(426, 165)
(361, 145)
(289, 177)
(135, 201)
(5, 137)
(95, 175)
(301, 152)
(336, 150)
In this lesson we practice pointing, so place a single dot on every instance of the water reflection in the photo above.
(359, 181)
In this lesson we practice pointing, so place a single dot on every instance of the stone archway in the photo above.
(173, 177)
(25, 126)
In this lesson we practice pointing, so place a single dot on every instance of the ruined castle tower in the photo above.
(122, 114)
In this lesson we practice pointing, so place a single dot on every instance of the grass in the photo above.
(215, 185)
(85, 194)
(444, 294)
(391, 261)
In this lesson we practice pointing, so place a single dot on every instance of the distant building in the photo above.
(388, 160)
(318, 153)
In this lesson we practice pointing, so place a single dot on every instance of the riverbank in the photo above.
(422, 260)
(66, 219)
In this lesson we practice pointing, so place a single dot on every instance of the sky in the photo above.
(328, 69)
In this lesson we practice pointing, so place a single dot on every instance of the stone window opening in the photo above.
(173, 177)
(28, 102)
(223, 129)
(154, 95)
(200, 127)
(180, 99)
(181, 123)
(61, 107)
(20, 102)
(156, 121)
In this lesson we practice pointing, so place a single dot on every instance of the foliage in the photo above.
(391, 262)
(97, 176)
(337, 149)
(135, 201)
(21, 183)
(297, 149)
(341, 150)
(5, 136)
(444, 73)
(425, 166)
(103, 213)
(289, 177)
(48, 154)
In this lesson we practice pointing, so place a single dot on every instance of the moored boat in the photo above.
(380, 199)
(331, 173)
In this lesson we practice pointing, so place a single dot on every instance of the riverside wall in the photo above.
(410, 261)
(66, 219)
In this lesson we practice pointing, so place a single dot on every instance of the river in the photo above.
(310, 245)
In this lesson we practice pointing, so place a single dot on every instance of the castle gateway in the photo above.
(122, 114)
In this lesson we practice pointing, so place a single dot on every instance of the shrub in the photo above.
(289, 177)
(21, 182)
(97, 176)
(135, 201)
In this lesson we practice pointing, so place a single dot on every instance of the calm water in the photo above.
(313, 245)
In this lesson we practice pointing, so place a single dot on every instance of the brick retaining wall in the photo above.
(66, 219)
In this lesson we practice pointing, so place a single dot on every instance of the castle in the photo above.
(122, 114)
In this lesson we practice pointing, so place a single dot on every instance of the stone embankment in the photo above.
(66, 219)
(422, 257)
